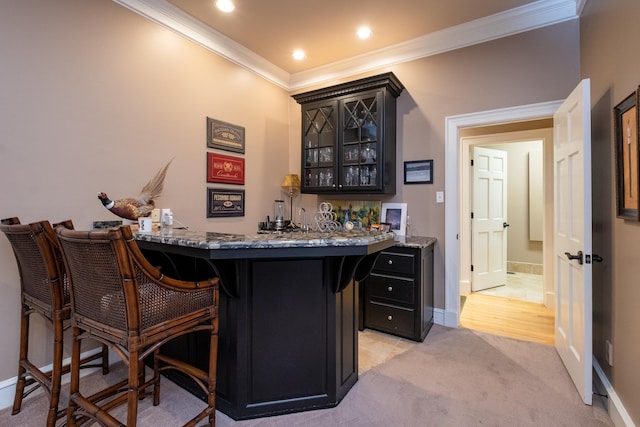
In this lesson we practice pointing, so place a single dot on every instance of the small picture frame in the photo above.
(395, 214)
(418, 172)
(626, 121)
(385, 227)
(222, 202)
(225, 169)
(225, 136)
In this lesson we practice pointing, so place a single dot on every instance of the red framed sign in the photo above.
(225, 169)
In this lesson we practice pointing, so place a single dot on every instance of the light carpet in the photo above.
(456, 377)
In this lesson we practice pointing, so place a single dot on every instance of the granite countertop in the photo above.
(414, 241)
(215, 240)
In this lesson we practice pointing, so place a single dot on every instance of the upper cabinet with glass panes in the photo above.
(349, 137)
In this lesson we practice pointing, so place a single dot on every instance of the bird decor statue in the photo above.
(135, 207)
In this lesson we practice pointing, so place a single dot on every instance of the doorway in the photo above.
(456, 241)
(515, 243)
(506, 200)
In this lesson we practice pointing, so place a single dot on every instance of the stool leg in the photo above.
(211, 381)
(74, 384)
(105, 359)
(134, 389)
(156, 378)
(24, 350)
(56, 371)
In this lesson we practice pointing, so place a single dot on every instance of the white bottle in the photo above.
(167, 222)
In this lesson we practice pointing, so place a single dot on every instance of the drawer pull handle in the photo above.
(390, 262)
(390, 288)
(389, 317)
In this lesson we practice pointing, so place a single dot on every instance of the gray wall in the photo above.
(609, 32)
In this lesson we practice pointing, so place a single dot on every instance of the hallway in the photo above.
(514, 310)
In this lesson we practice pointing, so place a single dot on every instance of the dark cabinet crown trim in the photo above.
(387, 80)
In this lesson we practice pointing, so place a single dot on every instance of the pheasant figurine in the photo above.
(135, 207)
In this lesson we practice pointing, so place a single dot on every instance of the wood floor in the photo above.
(508, 317)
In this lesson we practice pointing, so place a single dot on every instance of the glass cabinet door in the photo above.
(360, 142)
(349, 136)
(319, 146)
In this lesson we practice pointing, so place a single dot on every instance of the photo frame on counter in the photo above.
(225, 169)
(418, 172)
(626, 124)
(225, 136)
(222, 202)
(396, 215)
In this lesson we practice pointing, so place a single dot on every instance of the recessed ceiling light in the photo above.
(225, 5)
(298, 54)
(363, 33)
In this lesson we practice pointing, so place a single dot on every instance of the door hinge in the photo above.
(471, 267)
(471, 215)
(471, 162)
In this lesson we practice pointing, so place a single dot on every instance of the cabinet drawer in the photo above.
(395, 263)
(390, 288)
(388, 318)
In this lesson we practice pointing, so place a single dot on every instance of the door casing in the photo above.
(453, 178)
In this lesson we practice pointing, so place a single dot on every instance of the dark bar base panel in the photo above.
(288, 341)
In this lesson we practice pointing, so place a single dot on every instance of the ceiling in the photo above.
(262, 34)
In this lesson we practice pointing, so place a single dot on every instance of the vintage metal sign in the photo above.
(225, 169)
(223, 202)
(225, 136)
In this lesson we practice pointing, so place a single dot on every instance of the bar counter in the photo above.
(288, 338)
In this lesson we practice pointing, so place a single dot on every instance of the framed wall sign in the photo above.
(396, 215)
(627, 176)
(222, 202)
(418, 172)
(225, 136)
(225, 169)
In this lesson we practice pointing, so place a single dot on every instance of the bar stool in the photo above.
(120, 299)
(43, 290)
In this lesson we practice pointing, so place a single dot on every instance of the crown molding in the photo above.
(529, 17)
(580, 4)
(535, 15)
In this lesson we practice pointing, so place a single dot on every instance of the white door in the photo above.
(572, 231)
(489, 221)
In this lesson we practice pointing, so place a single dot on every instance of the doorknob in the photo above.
(595, 257)
(578, 256)
(505, 224)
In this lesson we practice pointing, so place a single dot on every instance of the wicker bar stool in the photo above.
(44, 290)
(120, 299)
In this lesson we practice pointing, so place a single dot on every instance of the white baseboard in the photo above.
(8, 386)
(465, 287)
(445, 318)
(616, 409)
